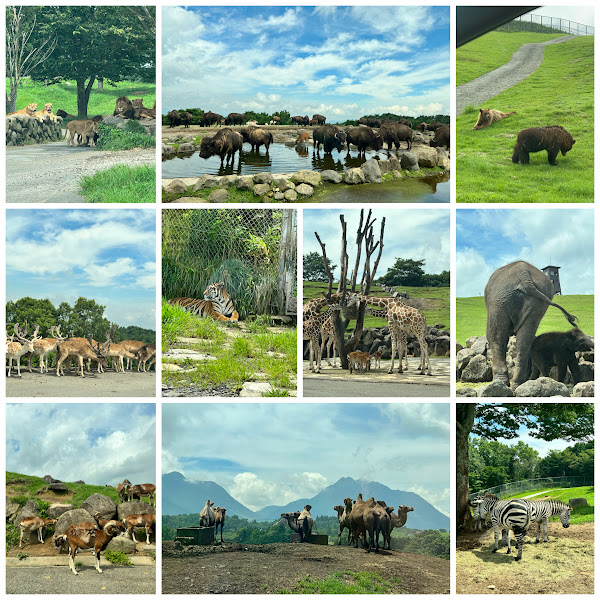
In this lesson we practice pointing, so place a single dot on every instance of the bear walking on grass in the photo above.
(553, 139)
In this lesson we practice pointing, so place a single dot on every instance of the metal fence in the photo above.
(542, 24)
(253, 251)
(518, 487)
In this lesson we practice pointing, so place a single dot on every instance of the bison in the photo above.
(363, 138)
(235, 119)
(330, 136)
(393, 133)
(320, 119)
(257, 137)
(300, 120)
(208, 118)
(224, 143)
(174, 118)
(441, 137)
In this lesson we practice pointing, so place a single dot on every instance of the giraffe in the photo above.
(311, 330)
(401, 343)
(402, 319)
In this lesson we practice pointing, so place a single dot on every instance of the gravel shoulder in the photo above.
(523, 63)
(46, 173)
(266, 569)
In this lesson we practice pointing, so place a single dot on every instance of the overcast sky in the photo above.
(101, 254)
(339, 61)
(409, 233)
(490, 238)
(98, 443)
(265, 454)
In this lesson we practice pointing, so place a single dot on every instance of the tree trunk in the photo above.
(465, 418)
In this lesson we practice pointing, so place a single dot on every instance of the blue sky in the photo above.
(409, 233)
(98, 443)
(338, 61)
(265, 454)
(490, 238)
(105, 255)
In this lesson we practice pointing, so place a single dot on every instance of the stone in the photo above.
(304, 189)
(283, 184)
(331, 176)
(186, 147)
(72, 517)
(205, 181)
(255, 389)
(466, 392)
(262, 189)
(544, 387)
(477, 371)
(123, 544)
(175, 186)
(264, 177)
(496, 389)
(245, 182)
(54, 511)
(291, 195)
(480, 345)
(584, 389)
(219, 195)
(409, 161)
(372, 171)
(100, 504)
(135, 507)
(312, 178)
(354, 176)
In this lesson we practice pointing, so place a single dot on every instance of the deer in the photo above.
(45, 346)
(14, 350)
(82, 350)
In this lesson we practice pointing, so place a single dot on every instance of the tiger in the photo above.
(217, 304)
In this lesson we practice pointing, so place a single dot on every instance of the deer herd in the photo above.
(67, 348)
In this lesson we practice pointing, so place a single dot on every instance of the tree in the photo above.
(24, 50)
(571, 422)
(405, 271)
(314, 269)
(95, 42)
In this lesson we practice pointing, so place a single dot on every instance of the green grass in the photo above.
(471, 316)
(346, 582)
(64, 95)
(121, 184)
(560, 92)
(438, 299)
(116, 557)
(492, 50)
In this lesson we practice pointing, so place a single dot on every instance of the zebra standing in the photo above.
(542, 510)
(512, 514)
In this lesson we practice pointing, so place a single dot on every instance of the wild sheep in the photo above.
(207, 515)
(219, 519)
(146, 520)
(30, 524)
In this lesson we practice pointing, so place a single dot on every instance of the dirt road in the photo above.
(269, 568)
(111, 384)
(51, 172)
(563, 565)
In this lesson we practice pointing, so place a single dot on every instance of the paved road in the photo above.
(60, 580)
(51, 172)
(522, 64)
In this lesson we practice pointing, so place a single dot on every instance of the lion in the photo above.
(124, 108)
(86, 129)
(28, 110)
(46, 112)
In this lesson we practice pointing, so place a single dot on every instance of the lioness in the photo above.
(46, 112)
(86, 129)
(28, 110)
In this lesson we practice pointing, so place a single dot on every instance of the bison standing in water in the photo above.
(235, 119)
(363, 138)
(224, 143)
(330, 136)
(174, 118)
(394, 133)
(256, 137)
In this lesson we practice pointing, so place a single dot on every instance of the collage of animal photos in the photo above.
(417, 180)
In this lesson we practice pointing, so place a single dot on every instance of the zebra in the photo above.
(542, 510)
(512, 514)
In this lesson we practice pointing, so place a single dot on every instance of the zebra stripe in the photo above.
(542, 510)
(511, 514)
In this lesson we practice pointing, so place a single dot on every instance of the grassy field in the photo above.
(121, 183)
(581, 514)
(64, 95)
(437, 298)
(471, 316)
(560, 92)
(492, 50)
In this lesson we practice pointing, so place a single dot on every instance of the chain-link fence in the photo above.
(253, 251)
(518, 487)
(543, 24)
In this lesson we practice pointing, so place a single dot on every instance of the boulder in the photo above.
(219, 195)
(123, 544)
(584, 389)
(101, 504)
(372, 171)
(544, 387)
(72, 517)
(175, 186)
(304, 189)
(264, 177)
(496, 389)
(331, 176)
(354, 176)
(54, 511)
(312, 178)
(135, 507)
(477, 371)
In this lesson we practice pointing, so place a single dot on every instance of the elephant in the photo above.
(517, 296)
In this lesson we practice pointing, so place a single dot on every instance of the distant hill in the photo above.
(181, 496)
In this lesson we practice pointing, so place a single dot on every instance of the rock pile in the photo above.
(23, 130)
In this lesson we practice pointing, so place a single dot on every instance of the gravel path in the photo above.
(51, 172)
(522, 64)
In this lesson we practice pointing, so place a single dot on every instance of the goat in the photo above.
(30, 524)
(85, 539)
(219, 519)
(142, 489)
(146, 520)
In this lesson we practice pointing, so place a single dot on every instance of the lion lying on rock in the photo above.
(86, 129)
(28, 110)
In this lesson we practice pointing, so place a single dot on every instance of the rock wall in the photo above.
(23, 129)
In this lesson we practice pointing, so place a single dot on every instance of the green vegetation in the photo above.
(471, 316)
(560, 92)
(492, 50)
(436, 298)
(121, 183)
(346, 582)
(116, 557)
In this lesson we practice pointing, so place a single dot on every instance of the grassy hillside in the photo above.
(471, 316)
(560, 92)
(438, 300)
(581, 514)
(64, 95)
(492, 50)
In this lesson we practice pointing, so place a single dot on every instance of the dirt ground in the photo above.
(266, 569)
(563, 565)
(108, 384)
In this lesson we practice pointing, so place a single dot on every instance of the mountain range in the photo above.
(181, 497)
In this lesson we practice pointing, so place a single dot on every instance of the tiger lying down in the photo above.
(217, 304)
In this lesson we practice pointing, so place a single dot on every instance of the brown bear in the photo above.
(553, 139)
(487, 116)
